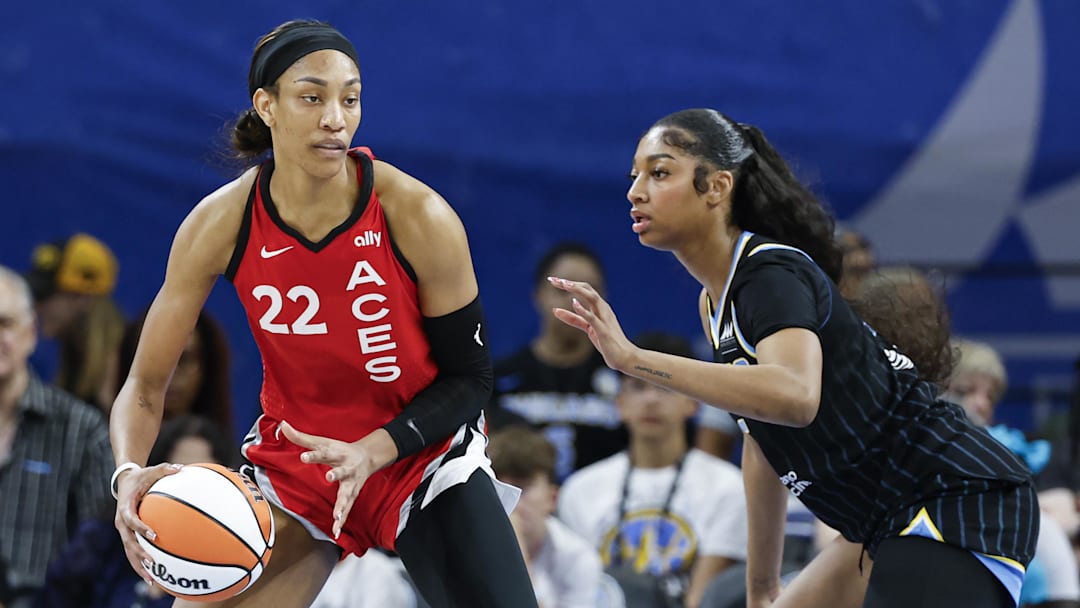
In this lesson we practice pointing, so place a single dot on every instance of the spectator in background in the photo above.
(200, 383)
(565, 570)
(716, 432)
(5, 589)
(558, 383)
(72, 281)
(55, 458)
(662, 515)
(1059, 483)
(92, 570)
(978, 383)
(370, 581)
(858, 261)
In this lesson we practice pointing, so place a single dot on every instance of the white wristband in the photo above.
(114, 482)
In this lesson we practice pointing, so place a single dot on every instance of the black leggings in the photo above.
(915, 571)
(461, 551)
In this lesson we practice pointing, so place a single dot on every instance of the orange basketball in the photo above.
(214, 532)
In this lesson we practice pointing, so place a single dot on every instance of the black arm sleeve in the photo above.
(461, 389)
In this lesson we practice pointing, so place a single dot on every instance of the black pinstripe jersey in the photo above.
(882, 448)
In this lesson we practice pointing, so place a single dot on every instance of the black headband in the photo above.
(285, 49)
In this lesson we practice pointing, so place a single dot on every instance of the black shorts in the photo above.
(917, 571)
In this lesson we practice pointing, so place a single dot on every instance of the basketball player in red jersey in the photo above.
(360, 292)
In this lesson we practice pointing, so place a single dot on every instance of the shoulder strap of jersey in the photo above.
(245, 231)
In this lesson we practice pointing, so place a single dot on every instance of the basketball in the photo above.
(214, 532)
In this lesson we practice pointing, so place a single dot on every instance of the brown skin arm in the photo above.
(200, 252)
(783, 388)
(705, 568)
(431, 237)
(766, 502)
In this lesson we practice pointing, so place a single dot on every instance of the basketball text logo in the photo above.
(254, 489)
(163, 575)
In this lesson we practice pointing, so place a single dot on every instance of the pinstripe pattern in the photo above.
(882, 446)
(57, 475)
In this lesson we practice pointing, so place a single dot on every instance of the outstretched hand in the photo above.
(351, 464)
(593, 315)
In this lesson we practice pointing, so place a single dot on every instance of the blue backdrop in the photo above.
(944, 130)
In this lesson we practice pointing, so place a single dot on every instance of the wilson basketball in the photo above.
(214, 532)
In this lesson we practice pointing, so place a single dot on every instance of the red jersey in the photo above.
(339, 327)
(337, 322)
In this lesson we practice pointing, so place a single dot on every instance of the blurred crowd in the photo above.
(631, 495)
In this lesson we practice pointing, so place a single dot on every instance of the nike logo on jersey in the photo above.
(370, 238)
(476, 336)
(267, 254)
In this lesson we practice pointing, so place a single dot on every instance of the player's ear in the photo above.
(721, 185)
(263, 102)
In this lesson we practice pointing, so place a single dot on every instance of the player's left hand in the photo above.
(351, 464)
(594, 316)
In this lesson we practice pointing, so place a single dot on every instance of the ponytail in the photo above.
(250, 137)
(769, 200)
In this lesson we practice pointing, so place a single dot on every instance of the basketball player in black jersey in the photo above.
(831, 411)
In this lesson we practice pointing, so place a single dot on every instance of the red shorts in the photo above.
(382, 507)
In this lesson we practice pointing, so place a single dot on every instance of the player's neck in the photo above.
(557, 350)
(657, 453)
(306, 202)
(708, 258)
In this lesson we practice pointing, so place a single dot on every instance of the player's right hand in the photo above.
(131, 486)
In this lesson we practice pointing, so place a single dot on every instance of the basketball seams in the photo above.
(251, 506)
(196, 561)
(197, 507)
(210, 517)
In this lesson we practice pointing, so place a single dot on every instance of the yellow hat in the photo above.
(79, 264)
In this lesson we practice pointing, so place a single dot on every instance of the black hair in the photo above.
(767, 198)
(172, 431)
(552, 256)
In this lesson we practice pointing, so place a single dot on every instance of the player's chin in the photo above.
(325, 165)
(654, 240)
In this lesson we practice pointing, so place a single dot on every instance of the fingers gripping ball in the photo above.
(214, 532)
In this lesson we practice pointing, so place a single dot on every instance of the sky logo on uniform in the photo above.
(266, 254)
(370, 238)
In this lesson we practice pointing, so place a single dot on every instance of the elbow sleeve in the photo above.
(461, 388)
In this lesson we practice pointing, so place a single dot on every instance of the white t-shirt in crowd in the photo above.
(707, 515)
(566, 572)
(371, 581)
(1055, 552)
